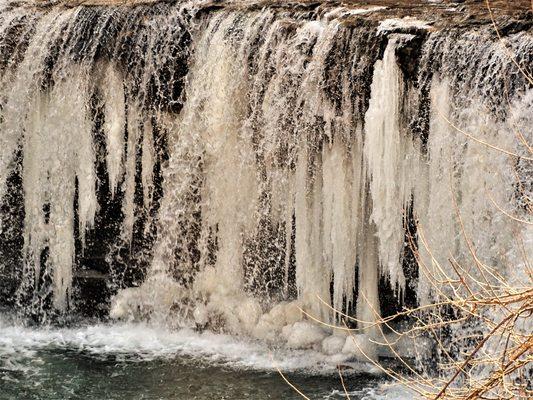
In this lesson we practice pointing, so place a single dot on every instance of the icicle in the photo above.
(147, 160)
(24, 87)
(358, 224)
(384, 150)
(368, 309)
(58, 148)
(34, 180)
(114, 124)
(52, 124)
(84, 151)
(71, 155)
(339, 247)
(128, 204)
(312, 275)
(437, 228)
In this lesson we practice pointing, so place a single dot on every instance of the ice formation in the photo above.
(256, 170)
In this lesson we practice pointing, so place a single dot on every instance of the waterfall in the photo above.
(235, 167)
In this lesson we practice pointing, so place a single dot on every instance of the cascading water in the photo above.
(233, 167)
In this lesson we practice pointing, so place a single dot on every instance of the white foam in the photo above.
(141, 342)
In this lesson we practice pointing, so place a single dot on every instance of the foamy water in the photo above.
(141, 342)
(30, 354)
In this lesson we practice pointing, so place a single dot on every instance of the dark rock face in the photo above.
(152, 46)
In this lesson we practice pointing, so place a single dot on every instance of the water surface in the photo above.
(136, 361)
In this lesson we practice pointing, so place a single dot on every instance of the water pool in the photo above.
(136, 361)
